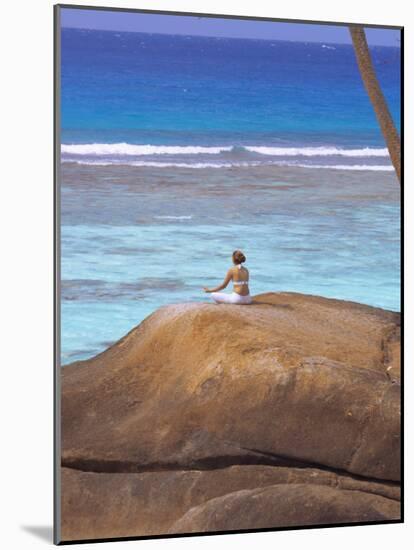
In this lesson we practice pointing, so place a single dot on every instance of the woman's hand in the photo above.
(223, 285)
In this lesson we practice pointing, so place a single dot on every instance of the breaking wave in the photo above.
(128, 149)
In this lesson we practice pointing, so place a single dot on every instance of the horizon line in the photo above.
(228, 37)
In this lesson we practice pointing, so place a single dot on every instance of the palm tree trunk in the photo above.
(376, 96)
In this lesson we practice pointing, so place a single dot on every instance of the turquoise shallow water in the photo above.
(136, 238)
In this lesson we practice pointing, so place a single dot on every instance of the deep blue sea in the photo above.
(178, 149)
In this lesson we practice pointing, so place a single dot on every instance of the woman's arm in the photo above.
(226, 281)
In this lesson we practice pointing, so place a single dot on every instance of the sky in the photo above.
(230, 28)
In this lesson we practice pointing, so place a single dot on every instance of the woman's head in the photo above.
(238, 257)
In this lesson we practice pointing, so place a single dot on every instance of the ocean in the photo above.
(176, 150)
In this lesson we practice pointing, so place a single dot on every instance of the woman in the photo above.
(240, 277)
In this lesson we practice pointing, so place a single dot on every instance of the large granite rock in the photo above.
(96, 505)
(291, 381)
(287, 506)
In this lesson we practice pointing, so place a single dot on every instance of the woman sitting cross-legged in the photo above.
(240, 277)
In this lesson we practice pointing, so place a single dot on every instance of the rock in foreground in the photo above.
(207, 393)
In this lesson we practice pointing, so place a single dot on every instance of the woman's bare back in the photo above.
(240, 275)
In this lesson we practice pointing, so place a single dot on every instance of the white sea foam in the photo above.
(154, 164)
(179, 218)
(201, 165)
(372, 167)
(129, 149)
(137, 150)
(319, 151)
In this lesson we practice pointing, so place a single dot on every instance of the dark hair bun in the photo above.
(239, 257)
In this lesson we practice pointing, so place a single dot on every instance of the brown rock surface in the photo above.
(289, 381)
(115, 505)
(287, 506)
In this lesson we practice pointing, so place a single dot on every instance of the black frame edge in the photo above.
(56, 278)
